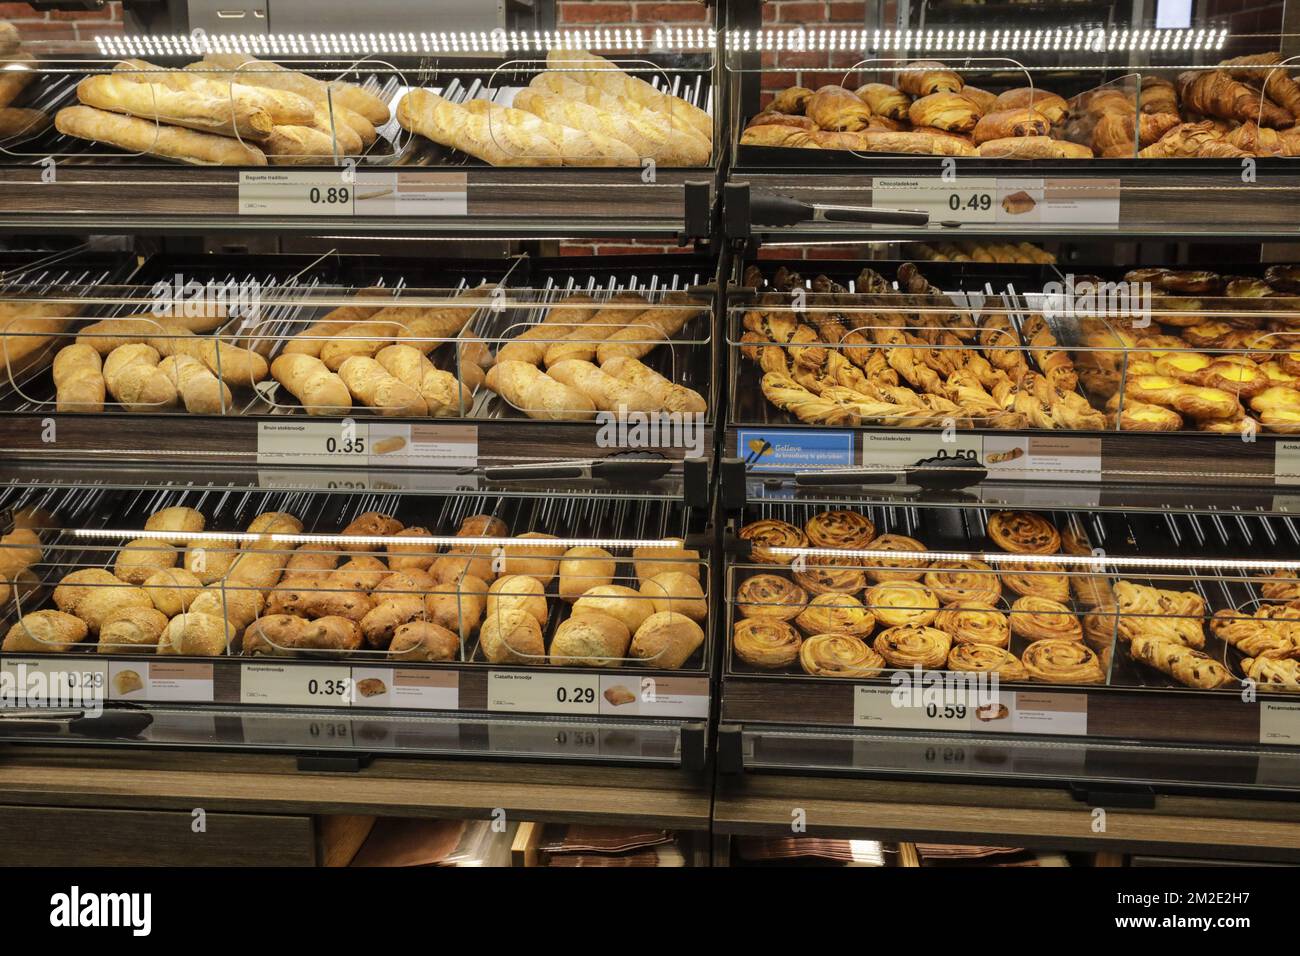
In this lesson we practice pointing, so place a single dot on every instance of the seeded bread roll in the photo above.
(139, 559)
(44, 632)
(131, 630)
(196, 635)
(177, 518)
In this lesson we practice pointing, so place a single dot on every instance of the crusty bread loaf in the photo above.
(538, 395)
(187, 108)
(498, 144)
(137, 135)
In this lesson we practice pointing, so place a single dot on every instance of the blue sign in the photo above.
(804, 450)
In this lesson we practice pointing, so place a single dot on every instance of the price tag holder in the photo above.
(411, 192)
(161, 681)
(1286, 462)
(539, 693)
(313, 443)
(878, 707)
(297, 686)
(65, 682)
(1279, 723)
(769, 449)
(285, 192)
(962, 200)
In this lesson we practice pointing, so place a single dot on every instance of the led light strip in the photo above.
(365, 44)
(1053, 560)
(1092, 39)
(217, 537)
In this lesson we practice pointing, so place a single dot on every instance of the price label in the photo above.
(293, 193)
(408, 688)
(543, 693)
(1286, 462)
(880, 707)
(65, 682)
(963, 199)
(1279, 723)
(161, 680)
(313, 443)
(285, 684)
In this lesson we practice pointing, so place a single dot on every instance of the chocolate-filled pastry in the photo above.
(1052, 106)
(846, 530)
(825, 573)
(1190, 667)
(974, 623)
(839, 655)
(923, 77)
(1272, 631)
(988, 659)
(1018, 203)
(772, 533)
(1036, 581)
(901, 568)
(901, 602)
(984, 100)
(766, 643)
(771, 597)
(951, 112)
(1273, 673)
(779, 134)
(1033, 147)
(838, 110)
(1038, 619)
(833, 613)
(1024, 532)
(1189, 282)
(793, 101)
(1063, 662)
(912, 646)
(771, 118)
(1281, 585)
(1004, 124)
(957, 582)
(1283, 278)
(884, 100)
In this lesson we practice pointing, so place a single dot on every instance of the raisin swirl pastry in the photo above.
(901, 602)
(824, 574)
(958, 582)
(1023, 532)
(974, 623)
(772, 533)
(1100, 627)
(1062, 662)
(1186, 665)
(1035, 580)
(1272, 673)
(839, 655)
(989, 659)
(1039, 619)
(770, 597)
(900, 568)
(913, 646)
(766, 643)
(1281, 586)
(834, 613)
(840, 529)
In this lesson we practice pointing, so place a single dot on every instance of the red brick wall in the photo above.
(588, 13)
(61, 25)
(810, 69)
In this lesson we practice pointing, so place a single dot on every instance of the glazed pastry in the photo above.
(974, 623)
(1038, 619)
(1024, 532)
(839, 655)
(847, 530)
(988, 659)
(923, 77)
(1155, 612)
(959, 582)
(884, 100)
(772, 533)
(1281, 586)
(823, 574)
(912, 646)
(1272, 631)
(770, 597)
(834, 613)
(766, 643)
(1052, 106)
(1063, 662)
(1101, 627)
(1187, 666)
(893, 568)
(1031, 581)
(1273, 674)
(895, 603)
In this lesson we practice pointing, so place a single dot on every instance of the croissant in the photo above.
(1116, 128)
(953, 112)
(1220, 150)
(793, 101)
(1278, 85)
(1053, 107)
(884, 100)
(1260, 140)
(1158, 95)
(1033, 147)
(1184, 140)
(1216, 93)
(1007, 123)
(924, 77)
(837, 109)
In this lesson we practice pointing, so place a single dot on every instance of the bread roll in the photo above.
(270, 523)
(370, 383)
(239, 606)
(512, 637)
(44, 632)
(667, 394)
(458, 606)
(314, 557)
(675, 591)
(331, 633)
(76, 586)
(424, 641)
(517, 592)
(442, 392)
(209, 560)
(130, 629)
(172, 590)
(133, 378)
(403, 582)
(381, 622)
(539, 561)
(666, 639)
(362, 573)
(101, 600)
(583, 568)
(177, 518)
(538, 395)
(590, 639)
(617, 601)
(370, 524)
(609, 394)
(259, 569)
(139, 559)
(274, 635)
(17, 71)
(78, 379)
(406, 557)
(649, 562)
(196, 635)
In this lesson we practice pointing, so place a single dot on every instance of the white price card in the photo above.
(905, 449)
(963, 199)
(321, 685)
(407, 688)
(1043, 458)
(286, 192)
(1044, 713)
(188, 681)
(313, 443)
(623, 696)
(66, 681)
(542, 693)
(881, 707)
(1286, 462)
(1279, 723)
(411, 192)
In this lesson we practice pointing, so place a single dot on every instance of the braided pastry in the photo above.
(834, 613)
(766, 643)
(1023, 532)
(1270, 632)
(890, 568)
(902, 602)
(957, 582)
(847, 530)
(1154, 612)
(839, 655)
(1028, 581)
(772, 533)
(1273, 673)
(913, 646)
(1038, 619)
(789, 396)
(771, 597)
(1281, 586)
(988, 659)
(824, 574)
(1185, 665)
(974, 623)
(1062, 662)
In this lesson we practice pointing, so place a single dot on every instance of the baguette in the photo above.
(25, 329)
(583, 340)
(137, 135)
(637, 136)
(132, 377)
(347, 137)
(78, 379)
(538, 395)
(192, 110)
(578, 147)
(441, 391)
(264, 73)
(447, 124)
(200, 390)
(307, 379)
(371, 384)
(15, 122)
(592, 70)
(284, 108)
(649, 329)
(561, 319)
(298, 146)
(16, 73)
(669, 395)
(609, 394)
